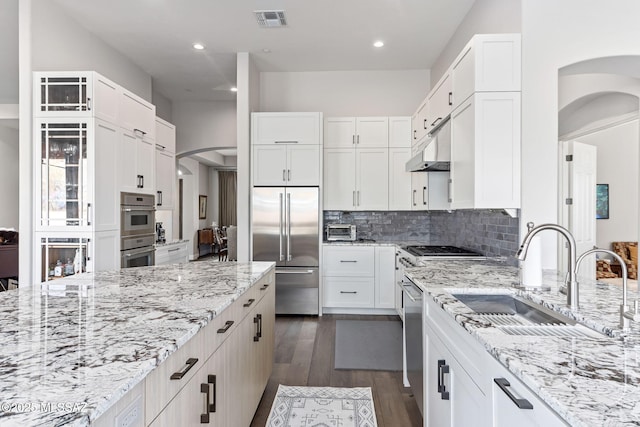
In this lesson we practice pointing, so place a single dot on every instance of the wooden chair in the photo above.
(221, 241)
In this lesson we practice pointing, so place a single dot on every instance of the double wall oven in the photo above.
(137, 230)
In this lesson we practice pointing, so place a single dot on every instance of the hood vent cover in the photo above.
(271, 18)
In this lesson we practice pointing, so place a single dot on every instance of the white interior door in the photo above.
(581, 208)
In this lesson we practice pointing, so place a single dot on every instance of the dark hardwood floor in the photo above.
(304, 354)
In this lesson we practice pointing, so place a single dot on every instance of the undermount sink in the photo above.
(516, 316)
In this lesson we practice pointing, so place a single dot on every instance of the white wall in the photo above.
(203, 189)
(484, 17)
(164, 106)
(9, 52)
(61, 43)
(345, 93)
(555, 34)
(9, 172)
(190, 221)
(618, 166)
(202, 125)
(214, 205)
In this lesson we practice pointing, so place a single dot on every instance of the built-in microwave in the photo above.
(341, 232)
(137, 214)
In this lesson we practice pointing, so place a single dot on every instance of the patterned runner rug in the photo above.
(322, 407)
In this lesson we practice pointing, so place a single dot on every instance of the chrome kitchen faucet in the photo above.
(572, 284)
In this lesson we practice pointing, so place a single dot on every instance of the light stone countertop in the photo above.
(88, 339)
(587, 381)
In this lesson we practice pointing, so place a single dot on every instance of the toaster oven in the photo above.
(341, 232)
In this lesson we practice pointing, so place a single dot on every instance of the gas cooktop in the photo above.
(440, 251)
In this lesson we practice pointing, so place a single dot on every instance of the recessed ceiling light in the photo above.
(234, 89)
(265, 50)
(198, 46)
(378, 43)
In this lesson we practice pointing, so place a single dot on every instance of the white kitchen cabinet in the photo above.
(165, 167)
(429, 191)
(419, 124)
(385, 271)
(348, 261)
(400, 132)
(485, 152)
(440, 102)
(65, 253)
(286, 128)
(172, 253)
(286, 164)
(488, 63)
(365, 132)
(137, 115)
(400, 189)
(452, 398)
(356, 178)
(75, 94)
(136, 163)
(469, 373)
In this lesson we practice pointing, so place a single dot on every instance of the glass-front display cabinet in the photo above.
(64, 256)
(64, 93)
(64, 175)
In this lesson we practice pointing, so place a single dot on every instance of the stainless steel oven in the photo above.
(137, 230)
(137, 214)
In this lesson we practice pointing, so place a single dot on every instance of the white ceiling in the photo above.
(323, 35)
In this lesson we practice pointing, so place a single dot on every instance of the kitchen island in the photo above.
(71, 350)
(585, 380)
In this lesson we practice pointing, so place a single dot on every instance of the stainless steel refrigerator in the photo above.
(286, 230)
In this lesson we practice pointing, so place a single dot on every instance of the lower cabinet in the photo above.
(359, 277)
(172, 253)
(225, 387)
(466, 386)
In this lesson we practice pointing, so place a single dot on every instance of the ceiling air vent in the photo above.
(271, 18)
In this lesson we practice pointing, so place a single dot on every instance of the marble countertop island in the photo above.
(70, 350)
(587, 381)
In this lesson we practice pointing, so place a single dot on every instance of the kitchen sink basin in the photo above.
(516, 316)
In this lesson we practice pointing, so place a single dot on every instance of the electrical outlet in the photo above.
(132, 415)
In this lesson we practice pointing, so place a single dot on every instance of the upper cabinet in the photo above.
(488, 63)
(165, 164)
(286, 149)
(137, 115)
(286, 128)
(356, 132)
(440, 103)
(75, 94)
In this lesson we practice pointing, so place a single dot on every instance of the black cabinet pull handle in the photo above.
(159, 203)
(190, 363)
(414, 134)
(348, 292)
(258, 321)
(520, 403)
(140, 131)
(226, 327)
(347, 260)
(450, 98)
(285, 142)
(264, 287)
(248, 303)
(211, 379)
(443, 368)
(424, 123)
(436, 121)
(204, 418)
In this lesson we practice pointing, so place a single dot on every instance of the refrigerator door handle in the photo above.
(281, 226)
(288, 227)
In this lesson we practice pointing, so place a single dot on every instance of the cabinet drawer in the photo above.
(356, 292)
(349, 261)
(160, 388)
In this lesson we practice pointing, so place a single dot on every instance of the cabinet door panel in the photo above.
(372, 180)
(439, 102)
(343, 261)
(372, 132)
(165, 179)
(127, 163)
(166, 135)
(437, 409)
(278, 128)
(303, 165)
(463, 156)
(399, 179)
(419, 182)
(269, 165)
(340, 132)
(136, 114)
(339, 178)
(106, 210)
(105, 99)
(145, 161)
(419, 124)
(385, 277)
(400, 132)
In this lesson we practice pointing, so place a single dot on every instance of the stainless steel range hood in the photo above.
(436, 156)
